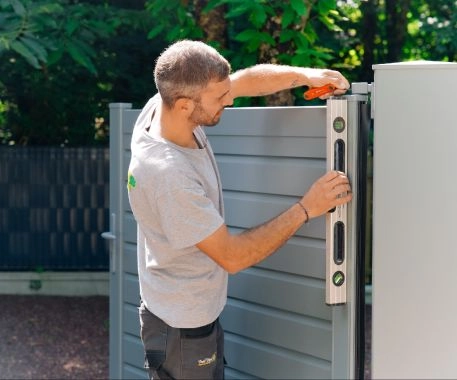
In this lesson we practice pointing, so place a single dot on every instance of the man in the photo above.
(185, 250)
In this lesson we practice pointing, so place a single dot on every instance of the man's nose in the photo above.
(228, 101)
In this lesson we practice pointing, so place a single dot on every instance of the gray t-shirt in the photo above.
(175, 195)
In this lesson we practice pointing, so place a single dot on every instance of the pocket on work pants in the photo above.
(154, 338)
(203, 352)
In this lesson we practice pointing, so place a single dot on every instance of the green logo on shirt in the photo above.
(131, 183)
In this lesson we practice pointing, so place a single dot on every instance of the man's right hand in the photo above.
(331, 190)
(240, 251)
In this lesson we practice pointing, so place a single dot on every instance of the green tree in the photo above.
(19, 23)
(42, 31)
(275, 31)
(56, 91)
(432, 31)
(63, 61)
(383, 31)
(46, 35)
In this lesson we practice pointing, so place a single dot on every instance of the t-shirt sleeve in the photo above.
(187, 216)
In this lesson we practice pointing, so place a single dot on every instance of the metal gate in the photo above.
(276, 321)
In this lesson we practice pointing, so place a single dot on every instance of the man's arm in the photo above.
(237, 252)
(265, 79)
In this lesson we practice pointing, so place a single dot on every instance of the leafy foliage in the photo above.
(381, 31)
(432, 29)
(19, 22)
(63, 61)
(175, 18)
(273, 31)
(258, 30)
(58, 88)
(43, 31)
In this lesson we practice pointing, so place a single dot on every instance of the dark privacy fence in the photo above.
(54, 204)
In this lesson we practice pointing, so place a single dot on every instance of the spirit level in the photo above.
(336, 226)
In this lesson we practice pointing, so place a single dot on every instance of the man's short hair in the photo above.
(185, 68)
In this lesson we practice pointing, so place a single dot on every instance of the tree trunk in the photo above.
(396, 28)
(268, 54)
(213, 23)
(368, 34)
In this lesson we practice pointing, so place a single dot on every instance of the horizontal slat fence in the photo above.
(54, 204)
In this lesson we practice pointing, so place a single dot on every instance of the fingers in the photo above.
(321, 77)
(339, 92)
(331, 190)
(340, 83)
(333, 93)
(334, 175)
(338, 80)
(340, 192)
(337, 187)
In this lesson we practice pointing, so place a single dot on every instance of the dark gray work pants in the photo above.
(173, 353)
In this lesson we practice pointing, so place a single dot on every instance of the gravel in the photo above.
(53, 337)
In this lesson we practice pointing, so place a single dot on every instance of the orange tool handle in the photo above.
(315, 92)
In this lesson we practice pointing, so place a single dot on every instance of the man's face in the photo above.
(213, 99)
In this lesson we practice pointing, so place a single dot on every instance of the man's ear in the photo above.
(185, 105)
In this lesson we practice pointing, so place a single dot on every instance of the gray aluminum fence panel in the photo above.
(276, 321)
(126, 352)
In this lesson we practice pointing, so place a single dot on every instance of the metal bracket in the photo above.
(365, 88)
